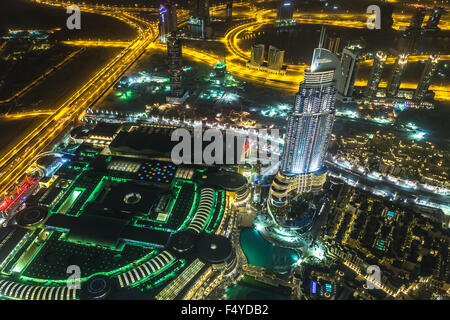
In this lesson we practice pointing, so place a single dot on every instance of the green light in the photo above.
(127, 95)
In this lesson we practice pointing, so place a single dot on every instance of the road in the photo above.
(14, 163)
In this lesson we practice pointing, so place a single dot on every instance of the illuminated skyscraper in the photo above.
(174, 54)
(435, 17)
(397, 75)
(199, 17)
(285, 13)
(167, 21)
(229, 16)
(425, 79)
(257, 56)
(409, 38)
(309, 130)
(417, 19)
(334, 43)
(275, 58)
(375, 74)
(350, 58)
(199, 8)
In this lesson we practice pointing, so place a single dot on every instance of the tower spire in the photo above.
(322, 37)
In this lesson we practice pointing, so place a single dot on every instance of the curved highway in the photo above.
(14, 164)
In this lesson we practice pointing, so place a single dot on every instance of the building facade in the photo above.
(425, 79)
(167, 21)
(309, 131)
(435, 17)
(229, 11)
(199, 18)
(418, 18)
(285, 13)
(397, 75)
(375, 74)
(275, 58)
(174, 55)
(257, 56)
(350, 59)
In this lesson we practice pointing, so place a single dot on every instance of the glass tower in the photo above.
(375, 74)
(309, 130)
(168, 20)
(350, 58)
(427, 75)
(174, 54)
(309, 125)
(435, 17)
(397, 75)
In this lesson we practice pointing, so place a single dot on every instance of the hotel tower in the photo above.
(309, 130)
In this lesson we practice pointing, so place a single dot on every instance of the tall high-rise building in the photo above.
(334, 43)
(167, 21)
(309, 130)
(229, 10)
(275, 58)
(174, 55)
(397, 75)
(417, 18)
(435, 17)
(409, 38)
(257, 56)
(199, 18)
(350, 58)
(376, 73)
(199, 8)
(285, 13)
(425, 79)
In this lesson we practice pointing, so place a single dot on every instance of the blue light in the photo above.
(313, 287)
